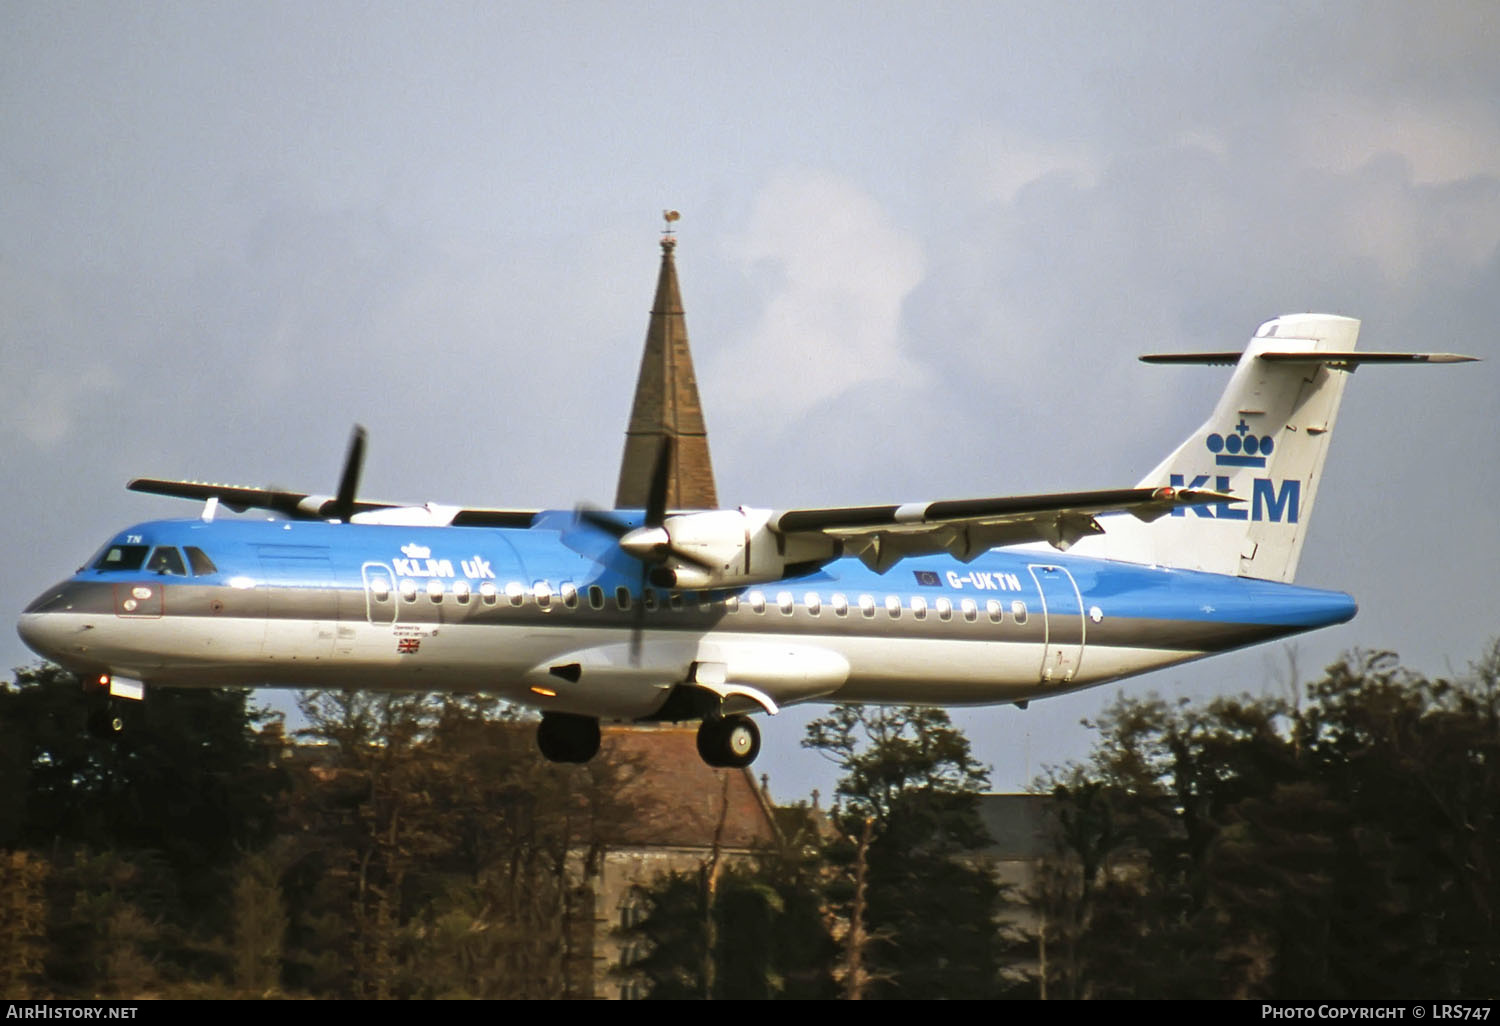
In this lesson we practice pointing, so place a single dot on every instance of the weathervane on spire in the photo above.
(668, 237)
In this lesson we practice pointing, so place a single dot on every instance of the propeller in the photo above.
(342, 507)
(649, 544)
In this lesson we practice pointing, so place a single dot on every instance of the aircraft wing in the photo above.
(306, 506)
(880, 536)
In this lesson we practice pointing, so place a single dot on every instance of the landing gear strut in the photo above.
(732, 742)
(563, 737)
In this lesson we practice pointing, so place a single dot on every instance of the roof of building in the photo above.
(680, 801)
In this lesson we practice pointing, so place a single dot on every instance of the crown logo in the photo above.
(415, 551)
(1239, 448)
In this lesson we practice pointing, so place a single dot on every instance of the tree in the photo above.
(1344, 846)
(134, 838)
(23, 924)
(927, 909)
(440, 856)
(186, 779)
(750, 930)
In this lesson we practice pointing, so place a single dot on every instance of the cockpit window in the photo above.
(199, 561)
(166, 560)
(121, 557)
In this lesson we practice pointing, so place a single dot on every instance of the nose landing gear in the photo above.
(106, 721)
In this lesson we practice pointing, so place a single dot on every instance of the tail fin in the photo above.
(1265, 443)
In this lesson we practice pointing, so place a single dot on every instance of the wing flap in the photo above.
(881, 536)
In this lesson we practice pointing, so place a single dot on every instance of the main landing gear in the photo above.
(730, 742)
(563, 737)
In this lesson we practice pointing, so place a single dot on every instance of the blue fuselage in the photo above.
(559, 618)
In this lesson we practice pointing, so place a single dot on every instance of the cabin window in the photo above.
(1018, 611)
(409, 590)
(542, 592)
(569, 594)
(487, 592)
(992, 607)
(944, 609)
(840, 604)
(166, 560)
(813, 602)
(435, 590)
(970, 610)
(674, 600)
(867, 606)
(648, 596)
(380, 588)
(757, 601)
(199, 561)
(919, 607)
(732, 603)
(596, 597)
(622, 598)
(893, 606)
(515, 592)
(461, 592)
(785, 602)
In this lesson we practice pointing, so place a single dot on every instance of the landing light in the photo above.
(544, 692)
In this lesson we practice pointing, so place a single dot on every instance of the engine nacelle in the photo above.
(730, 548)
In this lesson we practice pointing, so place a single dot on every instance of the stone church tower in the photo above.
(666, 405)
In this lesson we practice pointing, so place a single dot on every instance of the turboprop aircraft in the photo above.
(708, 615)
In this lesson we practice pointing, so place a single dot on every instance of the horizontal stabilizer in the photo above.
(1333, 359)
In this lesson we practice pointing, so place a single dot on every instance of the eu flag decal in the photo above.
(927, 578)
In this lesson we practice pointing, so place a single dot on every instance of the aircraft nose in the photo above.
(40, 633)
(43, 626)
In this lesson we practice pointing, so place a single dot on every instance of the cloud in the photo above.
(830, 321)
(997, 164)
(48, 374)
(1443, 141)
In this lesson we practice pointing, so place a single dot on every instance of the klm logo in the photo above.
(1267, 502)
(1240, 448)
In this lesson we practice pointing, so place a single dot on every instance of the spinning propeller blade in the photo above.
(342, 507)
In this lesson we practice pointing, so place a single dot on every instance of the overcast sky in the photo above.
(921, 247)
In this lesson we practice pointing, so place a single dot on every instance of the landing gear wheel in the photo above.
(732, 742)
(106, 722)
(563, 737)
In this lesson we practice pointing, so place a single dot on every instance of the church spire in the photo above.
(666, 405)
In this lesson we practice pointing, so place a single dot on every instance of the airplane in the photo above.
(712, 615)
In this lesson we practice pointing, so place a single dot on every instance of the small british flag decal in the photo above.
(408, 646)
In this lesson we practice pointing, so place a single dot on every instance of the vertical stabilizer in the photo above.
(1265, 443)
